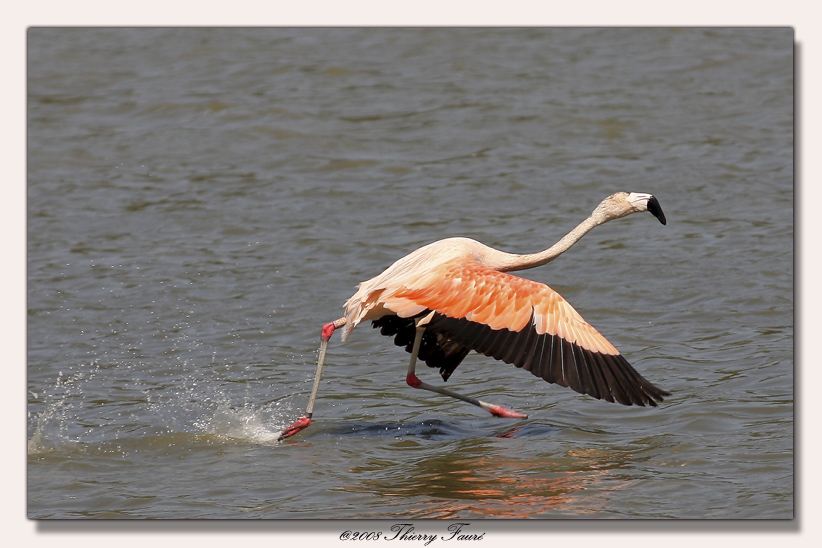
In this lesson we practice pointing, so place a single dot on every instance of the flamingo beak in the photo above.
(656, 209)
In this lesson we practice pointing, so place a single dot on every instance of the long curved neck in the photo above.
(507, 262)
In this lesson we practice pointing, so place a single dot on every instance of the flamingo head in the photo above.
(624, 203)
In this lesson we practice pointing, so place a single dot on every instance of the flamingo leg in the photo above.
(413, 381)
(304, 421)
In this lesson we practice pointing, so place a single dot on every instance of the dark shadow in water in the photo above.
(432, 429)
(528, 430)
(427, 429)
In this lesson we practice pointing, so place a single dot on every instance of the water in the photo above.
(200, 201)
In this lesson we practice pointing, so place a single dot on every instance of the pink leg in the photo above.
(304, 421)
(414, 381)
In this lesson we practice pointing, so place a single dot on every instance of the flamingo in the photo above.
(456, 295)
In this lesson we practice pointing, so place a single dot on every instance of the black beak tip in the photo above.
(656, 210)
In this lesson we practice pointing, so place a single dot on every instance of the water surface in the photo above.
(200, 201)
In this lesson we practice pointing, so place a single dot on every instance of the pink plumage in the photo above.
(456, 295)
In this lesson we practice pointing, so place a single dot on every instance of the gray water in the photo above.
(200, 201)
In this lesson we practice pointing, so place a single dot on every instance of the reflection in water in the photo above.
(475, 479)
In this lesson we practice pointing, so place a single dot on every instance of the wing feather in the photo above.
(499, 300)
(522, 322)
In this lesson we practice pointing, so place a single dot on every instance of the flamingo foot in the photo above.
(299, 424)
(500, 411)
(329, 328)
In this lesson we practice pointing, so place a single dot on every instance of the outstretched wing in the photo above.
(524, 323)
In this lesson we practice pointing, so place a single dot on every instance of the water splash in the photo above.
(74, 416)
(54, 427)
(248, 423)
